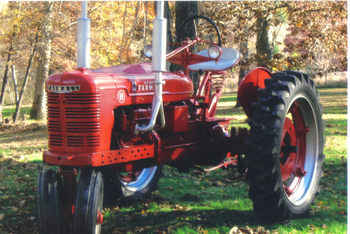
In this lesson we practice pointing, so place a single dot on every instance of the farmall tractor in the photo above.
(111, 130)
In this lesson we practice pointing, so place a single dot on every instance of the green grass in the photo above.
(184, 202)
(8, 111)
(335, 84)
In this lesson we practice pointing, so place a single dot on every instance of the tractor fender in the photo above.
(247, 89)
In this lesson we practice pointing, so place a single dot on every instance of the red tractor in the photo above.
(111, 130)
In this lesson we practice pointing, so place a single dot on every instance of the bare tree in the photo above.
(184, 10)
(14, 79)
(43, 63)
(19, 97)
(5, 77)
(263, 48)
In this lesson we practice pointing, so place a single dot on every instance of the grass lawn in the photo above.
(184, 203)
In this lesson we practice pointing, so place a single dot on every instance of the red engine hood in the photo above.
(132, 84)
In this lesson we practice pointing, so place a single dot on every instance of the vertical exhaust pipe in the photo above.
(159, 41)
(83, 38)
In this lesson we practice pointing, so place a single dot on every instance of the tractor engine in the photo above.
(93, 113)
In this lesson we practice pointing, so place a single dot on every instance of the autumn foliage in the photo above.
(307, 36)
(285, 35)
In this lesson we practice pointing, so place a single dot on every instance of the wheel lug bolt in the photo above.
(300, 172)
(287, 190)
(99, 217)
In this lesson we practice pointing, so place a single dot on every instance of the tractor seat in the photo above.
(227, 60)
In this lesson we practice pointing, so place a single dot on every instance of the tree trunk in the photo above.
(263, 49)
(25, 81)
(184, 10)
(167, 15)
(44, 54)
(5, 77)
(121, 46)
(14, 79)
(243, 64)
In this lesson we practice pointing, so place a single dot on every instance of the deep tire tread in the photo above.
(266, 122)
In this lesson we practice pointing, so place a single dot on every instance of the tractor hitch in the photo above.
(237, 148)
(229, 161)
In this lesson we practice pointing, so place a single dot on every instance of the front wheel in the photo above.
(284, 162)
(88, 216)
(49, 202)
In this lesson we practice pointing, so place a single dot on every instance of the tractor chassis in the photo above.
(182, 151)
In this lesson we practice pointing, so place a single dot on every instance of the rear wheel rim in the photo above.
(141, 179)
(299, 150)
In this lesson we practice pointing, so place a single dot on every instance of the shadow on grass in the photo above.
(335, 110)
(155, 222)
(8, 111)
(228, 98)
(18, 186)
(229, 110)
(325, 93)
(328, 211)
(22, 134)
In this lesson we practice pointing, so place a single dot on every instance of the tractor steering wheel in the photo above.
(204, 28)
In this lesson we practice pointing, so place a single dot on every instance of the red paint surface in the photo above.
(294, 166)
(81, 120)
(247, 90)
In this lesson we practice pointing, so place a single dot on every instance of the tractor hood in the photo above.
(130, 84)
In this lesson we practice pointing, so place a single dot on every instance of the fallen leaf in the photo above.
(218, 184)
(22, 203)
(234, 230)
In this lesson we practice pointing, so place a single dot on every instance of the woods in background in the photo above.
(39, 38)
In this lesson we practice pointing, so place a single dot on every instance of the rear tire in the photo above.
(286, 153)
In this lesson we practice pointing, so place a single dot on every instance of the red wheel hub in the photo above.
(130, 176)
(293, 149)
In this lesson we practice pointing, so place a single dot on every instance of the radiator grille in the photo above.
(77, 122)
(93, 140)
(83, 127)
(85, 113)
(82, 99)
(56, 140)
(53, 112)
(75, 141)
(54, 126)
(52, 98)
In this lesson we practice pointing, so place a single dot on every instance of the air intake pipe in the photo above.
(158, 66)
(83, 38)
